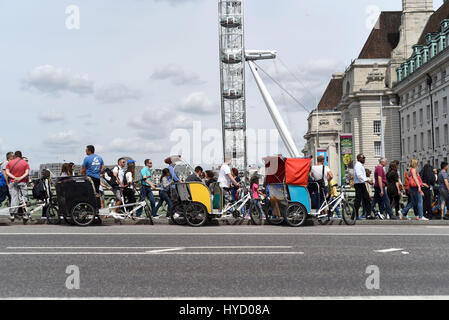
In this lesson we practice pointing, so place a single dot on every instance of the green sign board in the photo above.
(346, 155)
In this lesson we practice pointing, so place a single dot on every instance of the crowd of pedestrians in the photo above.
(426, 190)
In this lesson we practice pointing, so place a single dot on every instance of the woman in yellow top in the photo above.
(333, 194)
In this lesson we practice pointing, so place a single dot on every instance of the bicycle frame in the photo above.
(243, 201)
(329, 205)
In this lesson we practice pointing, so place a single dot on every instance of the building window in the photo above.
(403, 146)
(421, 116)
(428, 113)
(377, 149)
(443, 76)
(377, 126)
(446, 135)
(429, 139)
(422, 141)
(402, 124)
(444, 105)
(414, 119)
(408, 122)
(437, 137)
(408, 145)
(415, 143)
(436, 110)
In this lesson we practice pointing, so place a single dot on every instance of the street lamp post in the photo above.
(429, 83)
(382, 137)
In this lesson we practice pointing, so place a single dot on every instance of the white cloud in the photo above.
(51, 115)
(62, 140)
(53, 80)
(182, 122)
(198, 103)
(136, 144)
(117, 93)
(152, 124)
(176, 75)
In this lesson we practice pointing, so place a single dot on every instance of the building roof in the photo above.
(332, 95)
(384, 37)
(434, 23)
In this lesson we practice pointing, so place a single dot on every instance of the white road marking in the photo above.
(388, 250)
(155, 248)
(146, 253)
(405, 252)
(165, 250)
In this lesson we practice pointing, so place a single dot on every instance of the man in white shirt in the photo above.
(360, 180)
(321, 173)
(225, 177)
(119, 173)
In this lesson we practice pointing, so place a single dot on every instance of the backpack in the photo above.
(321, 181)
(2, 179)
(110, 178)
(39, 192)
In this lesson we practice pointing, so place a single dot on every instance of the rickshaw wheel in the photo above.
(53, 215)
(179, 209)
(349, 216)
(196, 214)
(295, 215)
(83, 214)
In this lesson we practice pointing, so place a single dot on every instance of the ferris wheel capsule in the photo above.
(231, 22)
(232, 94)
(231, 57)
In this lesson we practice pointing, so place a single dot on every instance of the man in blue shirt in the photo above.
(146, 191)
(93, 166)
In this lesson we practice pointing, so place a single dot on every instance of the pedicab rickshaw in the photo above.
(286, 184)
(78, 200)
(194, 203)
(289, 188)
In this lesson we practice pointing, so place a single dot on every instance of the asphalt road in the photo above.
(165, 261)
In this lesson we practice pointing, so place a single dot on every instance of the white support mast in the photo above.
(271, 106)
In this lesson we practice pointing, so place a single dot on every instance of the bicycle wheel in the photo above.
(83, 214)
(349, 216)
(196, 214)
(148, 214)
(295, 215)
(255, 214)
(53, 215)
(236, 219)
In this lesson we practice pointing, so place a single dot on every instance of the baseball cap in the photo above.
(131, 161)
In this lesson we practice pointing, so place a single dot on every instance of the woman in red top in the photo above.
(416, 194)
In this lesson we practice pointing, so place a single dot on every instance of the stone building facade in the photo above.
(324, 126)
(423, 88)
(367, 84)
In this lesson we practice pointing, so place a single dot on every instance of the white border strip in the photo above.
(436, 297)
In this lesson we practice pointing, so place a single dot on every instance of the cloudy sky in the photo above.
(137, 74)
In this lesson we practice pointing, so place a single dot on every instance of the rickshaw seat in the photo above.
(299, 194)
(183, 192)
(218, 196)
